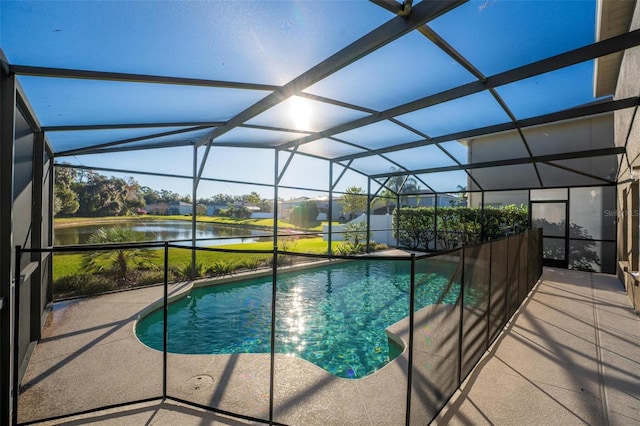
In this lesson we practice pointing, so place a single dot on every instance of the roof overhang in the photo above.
(613, 18)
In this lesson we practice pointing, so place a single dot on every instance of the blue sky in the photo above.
(272, 42)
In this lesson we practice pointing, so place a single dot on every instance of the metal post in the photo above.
(368, 215)
(483, 234)
(273, 331)
(330, 210)
(7, 287)
(165, 313)
(36, 235)
(275, 199)
(489, 293)
(398, 220)
(435, 222)
(194, 206)
(460, 329)
(410, 348)
(507, 283)
(16, 337)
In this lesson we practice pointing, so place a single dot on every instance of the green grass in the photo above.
(261, 223)
(70, 264)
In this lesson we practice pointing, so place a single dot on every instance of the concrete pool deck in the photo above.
(574, 340)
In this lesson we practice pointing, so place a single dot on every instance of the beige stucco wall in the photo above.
(627, 133)
(569, 136)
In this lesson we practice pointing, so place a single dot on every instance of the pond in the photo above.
(165, 230)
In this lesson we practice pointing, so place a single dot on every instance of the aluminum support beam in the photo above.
(514, 161)
(381, 36)
(583, 111)
(553, 63)
(7, 289)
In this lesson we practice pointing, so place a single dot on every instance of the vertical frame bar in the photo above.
(16, 337)
(7, 286)
(412, 292)
(193, 210)
(330, 210)
(165, 315)
(275, 198)
(398, 220)
(489, 301)
(368, 249)
(460, 328)
(435, 222)
(36, 235)
(483, 231)
(507, 287)
(272, 366)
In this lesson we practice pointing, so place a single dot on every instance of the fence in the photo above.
(445, 311)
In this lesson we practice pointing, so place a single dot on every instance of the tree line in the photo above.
(83, 193)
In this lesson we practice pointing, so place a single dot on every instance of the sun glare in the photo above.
(300, 113)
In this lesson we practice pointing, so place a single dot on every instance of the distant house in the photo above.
(171, 208)
(286, 206)
(383, 206)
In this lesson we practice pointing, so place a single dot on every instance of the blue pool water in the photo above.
(333, 316)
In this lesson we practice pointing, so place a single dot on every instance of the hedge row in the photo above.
(456, 226)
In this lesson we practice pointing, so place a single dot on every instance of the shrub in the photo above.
(188, 270)
(250, 263)
(349, 249)
(221, 268)
(456, 226)
(82, 285)
(117, 261)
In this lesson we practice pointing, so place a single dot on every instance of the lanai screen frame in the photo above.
(416, 20)
(409, 19)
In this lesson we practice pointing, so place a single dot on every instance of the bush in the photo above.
(82, 285)
(250, 263)
(456, 226)
(188, 270)
(349, 249)
(221, 268)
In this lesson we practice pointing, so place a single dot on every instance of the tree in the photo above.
(117, 261)
(253, 199)
(305, 214)
(102, 196)
(354, 201)
(65, 199)
(397, 185)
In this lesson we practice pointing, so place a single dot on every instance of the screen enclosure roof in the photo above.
(449, 93)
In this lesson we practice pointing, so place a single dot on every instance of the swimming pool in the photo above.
(334, 316)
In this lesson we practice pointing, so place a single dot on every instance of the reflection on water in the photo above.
(166, 230)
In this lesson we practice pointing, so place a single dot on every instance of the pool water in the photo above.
(333, 316)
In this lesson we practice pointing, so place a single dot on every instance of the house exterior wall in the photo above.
(380, 225)
(627, 133)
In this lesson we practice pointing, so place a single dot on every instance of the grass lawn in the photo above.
(70, 264)
(260, 223)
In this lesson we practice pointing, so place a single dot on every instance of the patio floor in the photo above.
(570, 355)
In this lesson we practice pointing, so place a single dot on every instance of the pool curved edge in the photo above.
(182, 289)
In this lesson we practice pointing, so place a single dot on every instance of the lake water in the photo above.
(165, 230)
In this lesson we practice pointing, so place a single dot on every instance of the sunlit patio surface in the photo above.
(570, 355)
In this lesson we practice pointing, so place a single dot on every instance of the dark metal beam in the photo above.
(513, 161)
(596, 50)
(384, 34)
(583, 111)
(84, 150)
(131, 148)
(82, 127)
(572, 170)
(133, 78)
